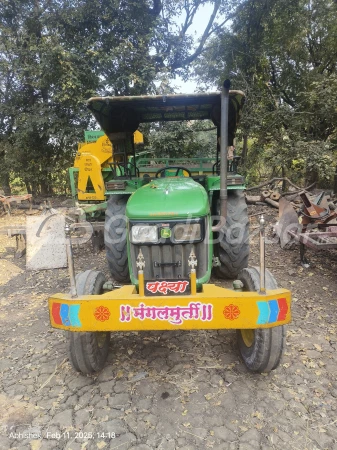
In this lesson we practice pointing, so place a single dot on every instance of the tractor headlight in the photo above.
(186, 232)
(144, 233)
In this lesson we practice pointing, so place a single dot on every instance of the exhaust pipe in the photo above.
(223, 154)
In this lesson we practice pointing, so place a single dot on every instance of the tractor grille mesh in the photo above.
(170, 253)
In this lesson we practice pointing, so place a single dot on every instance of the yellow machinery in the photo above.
(90, 161)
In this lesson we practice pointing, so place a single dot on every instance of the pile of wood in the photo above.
(270, 192)
(270, 197)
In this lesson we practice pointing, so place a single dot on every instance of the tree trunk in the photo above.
(271, 202)
(284, 183)
(244, 149)
(44, 187)
(50, 184)
(5, 184)
(28, 186)
(34, 189)
(46, 182)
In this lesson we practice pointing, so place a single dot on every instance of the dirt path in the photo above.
(167, 390)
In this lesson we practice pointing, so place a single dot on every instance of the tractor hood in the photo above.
(168, 198)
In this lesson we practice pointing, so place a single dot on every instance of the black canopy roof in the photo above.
(117, 114)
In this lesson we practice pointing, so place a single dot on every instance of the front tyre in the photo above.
(233, 246)
(88, 352)
(261, 349)
(115, 238)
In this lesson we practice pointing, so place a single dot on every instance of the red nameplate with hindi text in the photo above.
(168, 287)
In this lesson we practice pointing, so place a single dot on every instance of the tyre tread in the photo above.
(269, 342)
(116, 252)
(84, 354)
(233, 257)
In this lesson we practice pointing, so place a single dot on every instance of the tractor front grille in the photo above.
(170, 261)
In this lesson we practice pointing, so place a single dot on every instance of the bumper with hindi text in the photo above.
(215, 307)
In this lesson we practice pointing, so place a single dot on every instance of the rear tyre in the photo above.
(233, 246)
(115, 238)
(88, 352)
(260, 349)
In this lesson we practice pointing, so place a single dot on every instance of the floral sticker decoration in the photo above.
(102, 313)
(231, 312)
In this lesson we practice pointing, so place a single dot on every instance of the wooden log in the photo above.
(252, 199)
(21, 206)
(265, 194)
(272, 203)
(275, 196)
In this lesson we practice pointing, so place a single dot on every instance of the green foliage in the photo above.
(182, 139)
(44, 86)
(18, 187)
(55, 54)
(283, 55)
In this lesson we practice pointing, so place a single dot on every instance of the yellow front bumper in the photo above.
(214, 308)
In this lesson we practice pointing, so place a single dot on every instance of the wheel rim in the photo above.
(101, 338)
(248, 337)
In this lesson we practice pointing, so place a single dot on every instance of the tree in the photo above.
(40, 109)
(55, 54)
(283, 54)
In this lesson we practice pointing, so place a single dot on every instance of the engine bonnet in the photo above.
(168, 198)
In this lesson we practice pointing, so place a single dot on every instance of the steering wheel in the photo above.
(161, 172)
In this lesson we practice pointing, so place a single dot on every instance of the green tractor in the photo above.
(167, 226)
(173, 193)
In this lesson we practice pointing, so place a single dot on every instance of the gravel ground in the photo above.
(167, 390)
